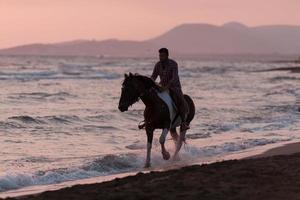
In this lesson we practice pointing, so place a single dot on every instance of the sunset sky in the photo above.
(30, 21)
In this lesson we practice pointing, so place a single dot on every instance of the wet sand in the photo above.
(287, 149)
(259, 177)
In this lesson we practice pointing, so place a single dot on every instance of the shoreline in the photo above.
(242, 170)
(286, 149)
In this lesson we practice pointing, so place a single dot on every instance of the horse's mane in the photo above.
(149, 83)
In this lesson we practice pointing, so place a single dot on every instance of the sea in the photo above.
(59, 117)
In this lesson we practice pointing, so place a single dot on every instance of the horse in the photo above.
(156, 113)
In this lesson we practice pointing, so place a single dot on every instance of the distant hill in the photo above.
(111, 47)
(186, 39)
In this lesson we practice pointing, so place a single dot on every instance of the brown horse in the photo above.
(156, 113)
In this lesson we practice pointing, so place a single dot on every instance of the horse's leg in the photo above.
(174, 135)
(180, 140)
(162, 139)
(149, 133)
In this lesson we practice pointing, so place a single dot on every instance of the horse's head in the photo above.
(131, 91)
(134, 86)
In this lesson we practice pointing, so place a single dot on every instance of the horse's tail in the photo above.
(191, 107)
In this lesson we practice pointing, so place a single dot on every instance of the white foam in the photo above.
(115, 164)
(106, 165)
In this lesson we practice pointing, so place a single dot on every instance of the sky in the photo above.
(48, 21)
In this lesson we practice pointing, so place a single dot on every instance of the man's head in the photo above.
(163, 54)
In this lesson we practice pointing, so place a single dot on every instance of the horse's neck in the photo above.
(149, 98)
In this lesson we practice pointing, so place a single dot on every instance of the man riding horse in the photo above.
(159, 113)
(167, 70)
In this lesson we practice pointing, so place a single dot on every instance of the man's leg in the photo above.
(179, 100)
(183, 114)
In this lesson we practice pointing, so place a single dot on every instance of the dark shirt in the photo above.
(168, 74)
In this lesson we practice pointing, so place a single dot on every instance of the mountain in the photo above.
(110, 47)
(231, 38)
(186, 39)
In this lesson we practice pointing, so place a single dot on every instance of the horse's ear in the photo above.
(125, 75)
(130, 74)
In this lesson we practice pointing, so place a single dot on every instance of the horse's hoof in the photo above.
(166, 155)
(147, 165)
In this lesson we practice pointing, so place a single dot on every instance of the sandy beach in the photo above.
(272, 175)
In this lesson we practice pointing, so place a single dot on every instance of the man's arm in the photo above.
(174, 75)
(155, 72)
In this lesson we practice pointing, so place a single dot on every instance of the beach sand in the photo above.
(274, 175)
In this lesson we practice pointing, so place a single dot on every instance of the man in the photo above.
(167, 70)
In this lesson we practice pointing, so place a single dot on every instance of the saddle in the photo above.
(173, 111)
(166, 97)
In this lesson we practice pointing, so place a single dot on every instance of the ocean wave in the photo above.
(286, 90)
(100, 118)
(35, 159)
(137, 145)
(76, 66)
(10, 125)
(62, 119)
(190, 153)
(53, 75)
(92, 128)
(190, 72)
(114, 163)
(119, 163)
(40, 96)
(106, 165)
(230, 147)
(25, 119)
(218, 128)
(198, 136)
(284, 78)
